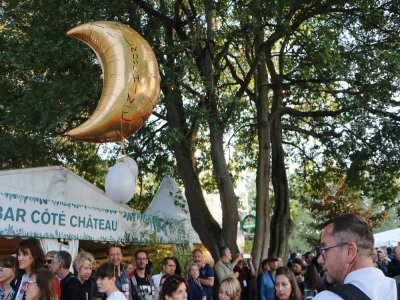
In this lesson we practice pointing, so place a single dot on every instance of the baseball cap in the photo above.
(272, 258)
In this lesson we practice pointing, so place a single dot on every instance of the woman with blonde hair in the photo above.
(196, 291)
(229, 289)
(81, 286)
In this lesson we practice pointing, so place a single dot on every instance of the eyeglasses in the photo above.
(30, 282)
(141, 258)
(49, 261)
(322, 250)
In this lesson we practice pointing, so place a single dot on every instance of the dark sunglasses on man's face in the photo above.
(49, 261)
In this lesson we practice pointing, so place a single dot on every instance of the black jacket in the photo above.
(394, 268)
(75, 290)
(64, 283)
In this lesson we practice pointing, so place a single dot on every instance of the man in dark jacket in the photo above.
(61, 264)
(394, 265)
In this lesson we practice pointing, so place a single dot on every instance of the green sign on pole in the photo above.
(249, 224)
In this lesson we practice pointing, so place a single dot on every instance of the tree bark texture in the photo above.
(262, 234)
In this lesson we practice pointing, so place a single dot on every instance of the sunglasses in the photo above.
(30, 282)
(49, 261)
(173, 279)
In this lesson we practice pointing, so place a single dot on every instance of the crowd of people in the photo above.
(345, 266)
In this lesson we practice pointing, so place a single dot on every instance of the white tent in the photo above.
(54, 203)
(387, 238)
(170, 203)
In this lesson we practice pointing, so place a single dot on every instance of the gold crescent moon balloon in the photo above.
(131, 81)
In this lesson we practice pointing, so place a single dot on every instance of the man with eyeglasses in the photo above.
(48, 263)
(61, 264)
(168, 268)
(347, 245)
(143, 285)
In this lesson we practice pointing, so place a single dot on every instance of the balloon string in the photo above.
(123, 149)
(121, 241)
(122, 140)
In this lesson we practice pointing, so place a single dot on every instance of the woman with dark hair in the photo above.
(105, 279)
(7, 273)
(41, 285)
(30, 257)
(286, 286)
(175, 287)
(312, 282)
(297, 267)
(178, 269)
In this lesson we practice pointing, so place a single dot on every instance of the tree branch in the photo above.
(312, 133)
(309, 158)
(385, 113)
(317, 113)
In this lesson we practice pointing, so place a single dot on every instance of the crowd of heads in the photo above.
(311, 272)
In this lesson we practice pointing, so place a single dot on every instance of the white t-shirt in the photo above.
(156, 280)
(371, 281)
(117, 295)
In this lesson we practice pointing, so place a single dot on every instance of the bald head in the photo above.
(396, 252)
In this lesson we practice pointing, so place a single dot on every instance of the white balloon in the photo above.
(131, 163)
(120, 183)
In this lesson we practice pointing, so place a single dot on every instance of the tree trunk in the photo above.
(280, 223)
(205, 225)
(228, 199)
(261, 237)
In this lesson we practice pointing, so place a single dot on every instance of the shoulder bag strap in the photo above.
(272, 279)
(349, 292)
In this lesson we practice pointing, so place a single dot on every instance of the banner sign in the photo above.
(27, 216)
(249, 224)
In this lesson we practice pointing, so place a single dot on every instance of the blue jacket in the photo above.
(267, 290)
